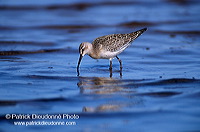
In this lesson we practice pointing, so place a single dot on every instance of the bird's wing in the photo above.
(113, 42)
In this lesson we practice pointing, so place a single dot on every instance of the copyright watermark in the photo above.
(7, 116)
(43, 119)
(42, 116)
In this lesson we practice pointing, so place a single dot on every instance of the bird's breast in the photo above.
(108, 54)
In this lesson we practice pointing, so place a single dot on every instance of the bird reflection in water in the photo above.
(99, 85)
(106, 87)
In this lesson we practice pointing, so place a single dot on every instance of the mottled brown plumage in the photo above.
(115, 42)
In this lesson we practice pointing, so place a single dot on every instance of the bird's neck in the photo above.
(93, 53)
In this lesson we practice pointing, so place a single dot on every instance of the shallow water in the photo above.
(159, 88)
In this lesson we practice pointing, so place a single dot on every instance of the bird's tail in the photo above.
(141, 31)
(136, 34)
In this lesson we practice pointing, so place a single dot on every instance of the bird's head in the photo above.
(84, 48)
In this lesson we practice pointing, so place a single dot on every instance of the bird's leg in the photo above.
(110, 68)
(110, 73)
(120, 62)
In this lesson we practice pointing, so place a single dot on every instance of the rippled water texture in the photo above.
(160, 86)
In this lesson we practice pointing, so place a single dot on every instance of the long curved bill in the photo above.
(79, 61)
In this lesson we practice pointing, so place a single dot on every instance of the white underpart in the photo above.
(111, 55)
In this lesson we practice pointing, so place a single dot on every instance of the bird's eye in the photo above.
(82, 51)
